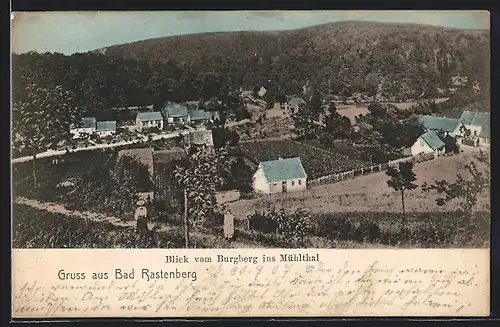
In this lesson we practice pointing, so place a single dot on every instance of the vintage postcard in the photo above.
(250, 164)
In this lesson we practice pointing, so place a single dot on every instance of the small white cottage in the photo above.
(426, 143)
(280, 176)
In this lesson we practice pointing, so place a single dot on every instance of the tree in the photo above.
(467, 190)
(401, 180)
(305, 126)
(41, 118)
(199, 179)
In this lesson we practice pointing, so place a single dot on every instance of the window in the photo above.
(475, 133)
(293, 183)
(300, 182)
(275, 184)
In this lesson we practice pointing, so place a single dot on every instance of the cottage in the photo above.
(176, 113)
(106, 128)
(477, 125)
(262, 91)
(201, 116)
(452, 127)
(279, 176)
(428, 142)
(292, 103)
(246, 93)
(201, 137)
(147, 120)
(86, 125)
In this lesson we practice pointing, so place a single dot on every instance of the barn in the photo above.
(280, 176)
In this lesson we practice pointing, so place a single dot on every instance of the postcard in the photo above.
(182, 164)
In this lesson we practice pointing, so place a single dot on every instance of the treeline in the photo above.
(396, 61)
(102, 84)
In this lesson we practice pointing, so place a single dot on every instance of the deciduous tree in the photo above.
(401, 180)
(41, 118)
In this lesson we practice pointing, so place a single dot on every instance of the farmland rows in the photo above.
(316, 162)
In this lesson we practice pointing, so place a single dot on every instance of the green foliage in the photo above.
(466, 189)
(291, 227)
(421, 229)
(33, 228)
(401, 180)
(112, 187)
(397, 61)
(316, 162)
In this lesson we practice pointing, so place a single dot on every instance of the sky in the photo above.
(71, 32)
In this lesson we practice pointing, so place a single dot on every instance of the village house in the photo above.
(428, 142)
(452, 127)
(147, 120)
(292, 103)
(106, 128)
(201, 137)
(198, 116)
(176, 113)
(262, 91)
(478, 127)
(280, 176)
(86, 125)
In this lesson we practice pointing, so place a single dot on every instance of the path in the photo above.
(93, 216)
(51, 153)
(96, 217)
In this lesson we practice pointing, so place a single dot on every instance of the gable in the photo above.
(432, 140)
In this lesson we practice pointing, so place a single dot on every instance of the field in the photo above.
(316, 162)
(368, 193)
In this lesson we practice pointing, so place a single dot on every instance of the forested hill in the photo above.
(393, 60)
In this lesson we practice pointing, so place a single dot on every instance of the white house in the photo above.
(292, 103)
(106, 128)
(478, 127)
(145, 120)
(428, 142)
(280, 176)
(262, 91)
(453, 127)
(176, 113)
(201, 137)
(86, 125)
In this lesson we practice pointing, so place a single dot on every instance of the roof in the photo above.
(144, 155)
(439, 123)
(476, 118)
(433, 140)
(147, 116)
(175, 110)
(283, 169)
(203, 115)
(105, 126)
(294, 101)
(201, 137)
(85, 122)
(485, 131)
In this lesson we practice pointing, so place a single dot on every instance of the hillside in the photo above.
(392, 60)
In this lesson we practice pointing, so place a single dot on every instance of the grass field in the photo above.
(367, 193)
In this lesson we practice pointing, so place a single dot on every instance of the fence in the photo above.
(334, 178)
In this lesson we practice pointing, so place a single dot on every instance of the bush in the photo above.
(33, 228)
(425, 229)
